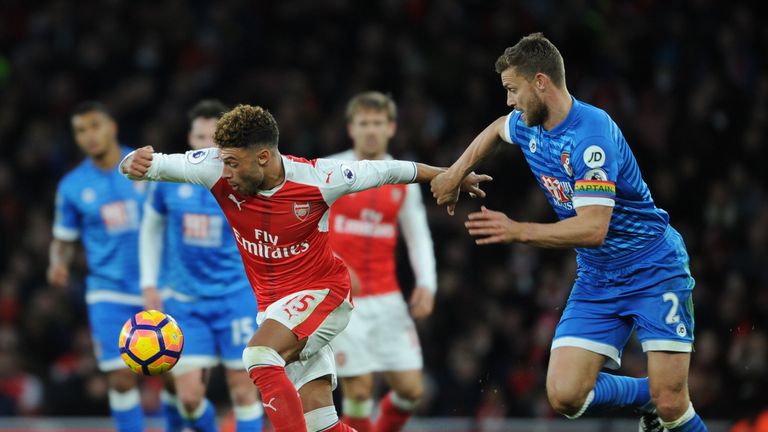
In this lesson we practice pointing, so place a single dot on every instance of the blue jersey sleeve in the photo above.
(67, 219)
(156, 198)
(595, 162)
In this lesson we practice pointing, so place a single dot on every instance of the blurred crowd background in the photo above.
(685, 80)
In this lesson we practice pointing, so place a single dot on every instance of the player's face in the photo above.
(370, 131)
(95, 133)
(522, 96)
(201, 133)
(244, 168)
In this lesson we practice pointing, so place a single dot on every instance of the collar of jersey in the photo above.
(559, 129)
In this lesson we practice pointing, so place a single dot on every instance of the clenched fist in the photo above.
(137, 164)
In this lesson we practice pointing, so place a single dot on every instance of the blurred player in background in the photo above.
(98, 206)
(185, 243)
(632, 265)
(381, 335)
(278, 208)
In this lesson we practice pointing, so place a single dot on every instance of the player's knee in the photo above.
(567, 400)
(411, 392)
(671, 402)
(261, 356)
(241, 389)
(122, 380)
(190, 397)
(359, 388)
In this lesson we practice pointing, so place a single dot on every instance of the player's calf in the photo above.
(279, 397)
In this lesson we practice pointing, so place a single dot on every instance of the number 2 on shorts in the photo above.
(672, 316)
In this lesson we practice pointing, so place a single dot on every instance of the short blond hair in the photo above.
(371, 100)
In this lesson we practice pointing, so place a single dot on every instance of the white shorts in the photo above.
(381, 336)
(318, 315)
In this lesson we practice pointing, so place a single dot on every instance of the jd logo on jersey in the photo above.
(301, 210)
(594, 156)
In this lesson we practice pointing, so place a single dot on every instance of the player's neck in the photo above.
(369, 156)
(275, 174)
(108, 159)
(559, 106)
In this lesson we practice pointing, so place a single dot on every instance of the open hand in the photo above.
(489, 226)
(445, 189)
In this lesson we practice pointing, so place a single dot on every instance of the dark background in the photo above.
(685, 80)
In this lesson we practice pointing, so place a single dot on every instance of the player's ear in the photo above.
(391, 129)
(263, 156)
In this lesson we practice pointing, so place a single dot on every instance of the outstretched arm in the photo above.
(344, 177)
(587, 229)
(445, 185)
(195, 166)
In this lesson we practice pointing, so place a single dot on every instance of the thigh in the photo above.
(394, 340)
(405, 382)
(664, 316)
(594, 326)
(314, 317)
(106, 320)
(668, 371)
(352, 347)
(234, 326)
(199, 345)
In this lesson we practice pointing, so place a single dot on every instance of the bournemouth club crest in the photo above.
(301, 210)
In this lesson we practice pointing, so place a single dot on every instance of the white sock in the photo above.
(587, 402)
(321, 418)
(124, 401)
(685, 418)
(248, 412)
(406, 405)
(357, 409)
(199, 411)
(167, 397)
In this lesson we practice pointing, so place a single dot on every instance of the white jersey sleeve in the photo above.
(421, 252)
(151, 237)
(201, 167)
(345, 177)
(506, 133)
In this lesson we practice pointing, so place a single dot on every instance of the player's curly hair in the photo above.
(533, 54)
(246, 126)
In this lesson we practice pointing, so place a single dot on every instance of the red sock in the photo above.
(391, 418)
(280, 399)
(341, 427)
(361, 424)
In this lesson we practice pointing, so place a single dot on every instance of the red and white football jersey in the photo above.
(282, 233)
(364, 231)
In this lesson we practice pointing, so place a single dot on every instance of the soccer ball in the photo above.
(151, 342)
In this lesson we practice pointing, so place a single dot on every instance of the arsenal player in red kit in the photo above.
(278, 208)
(381, 335)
